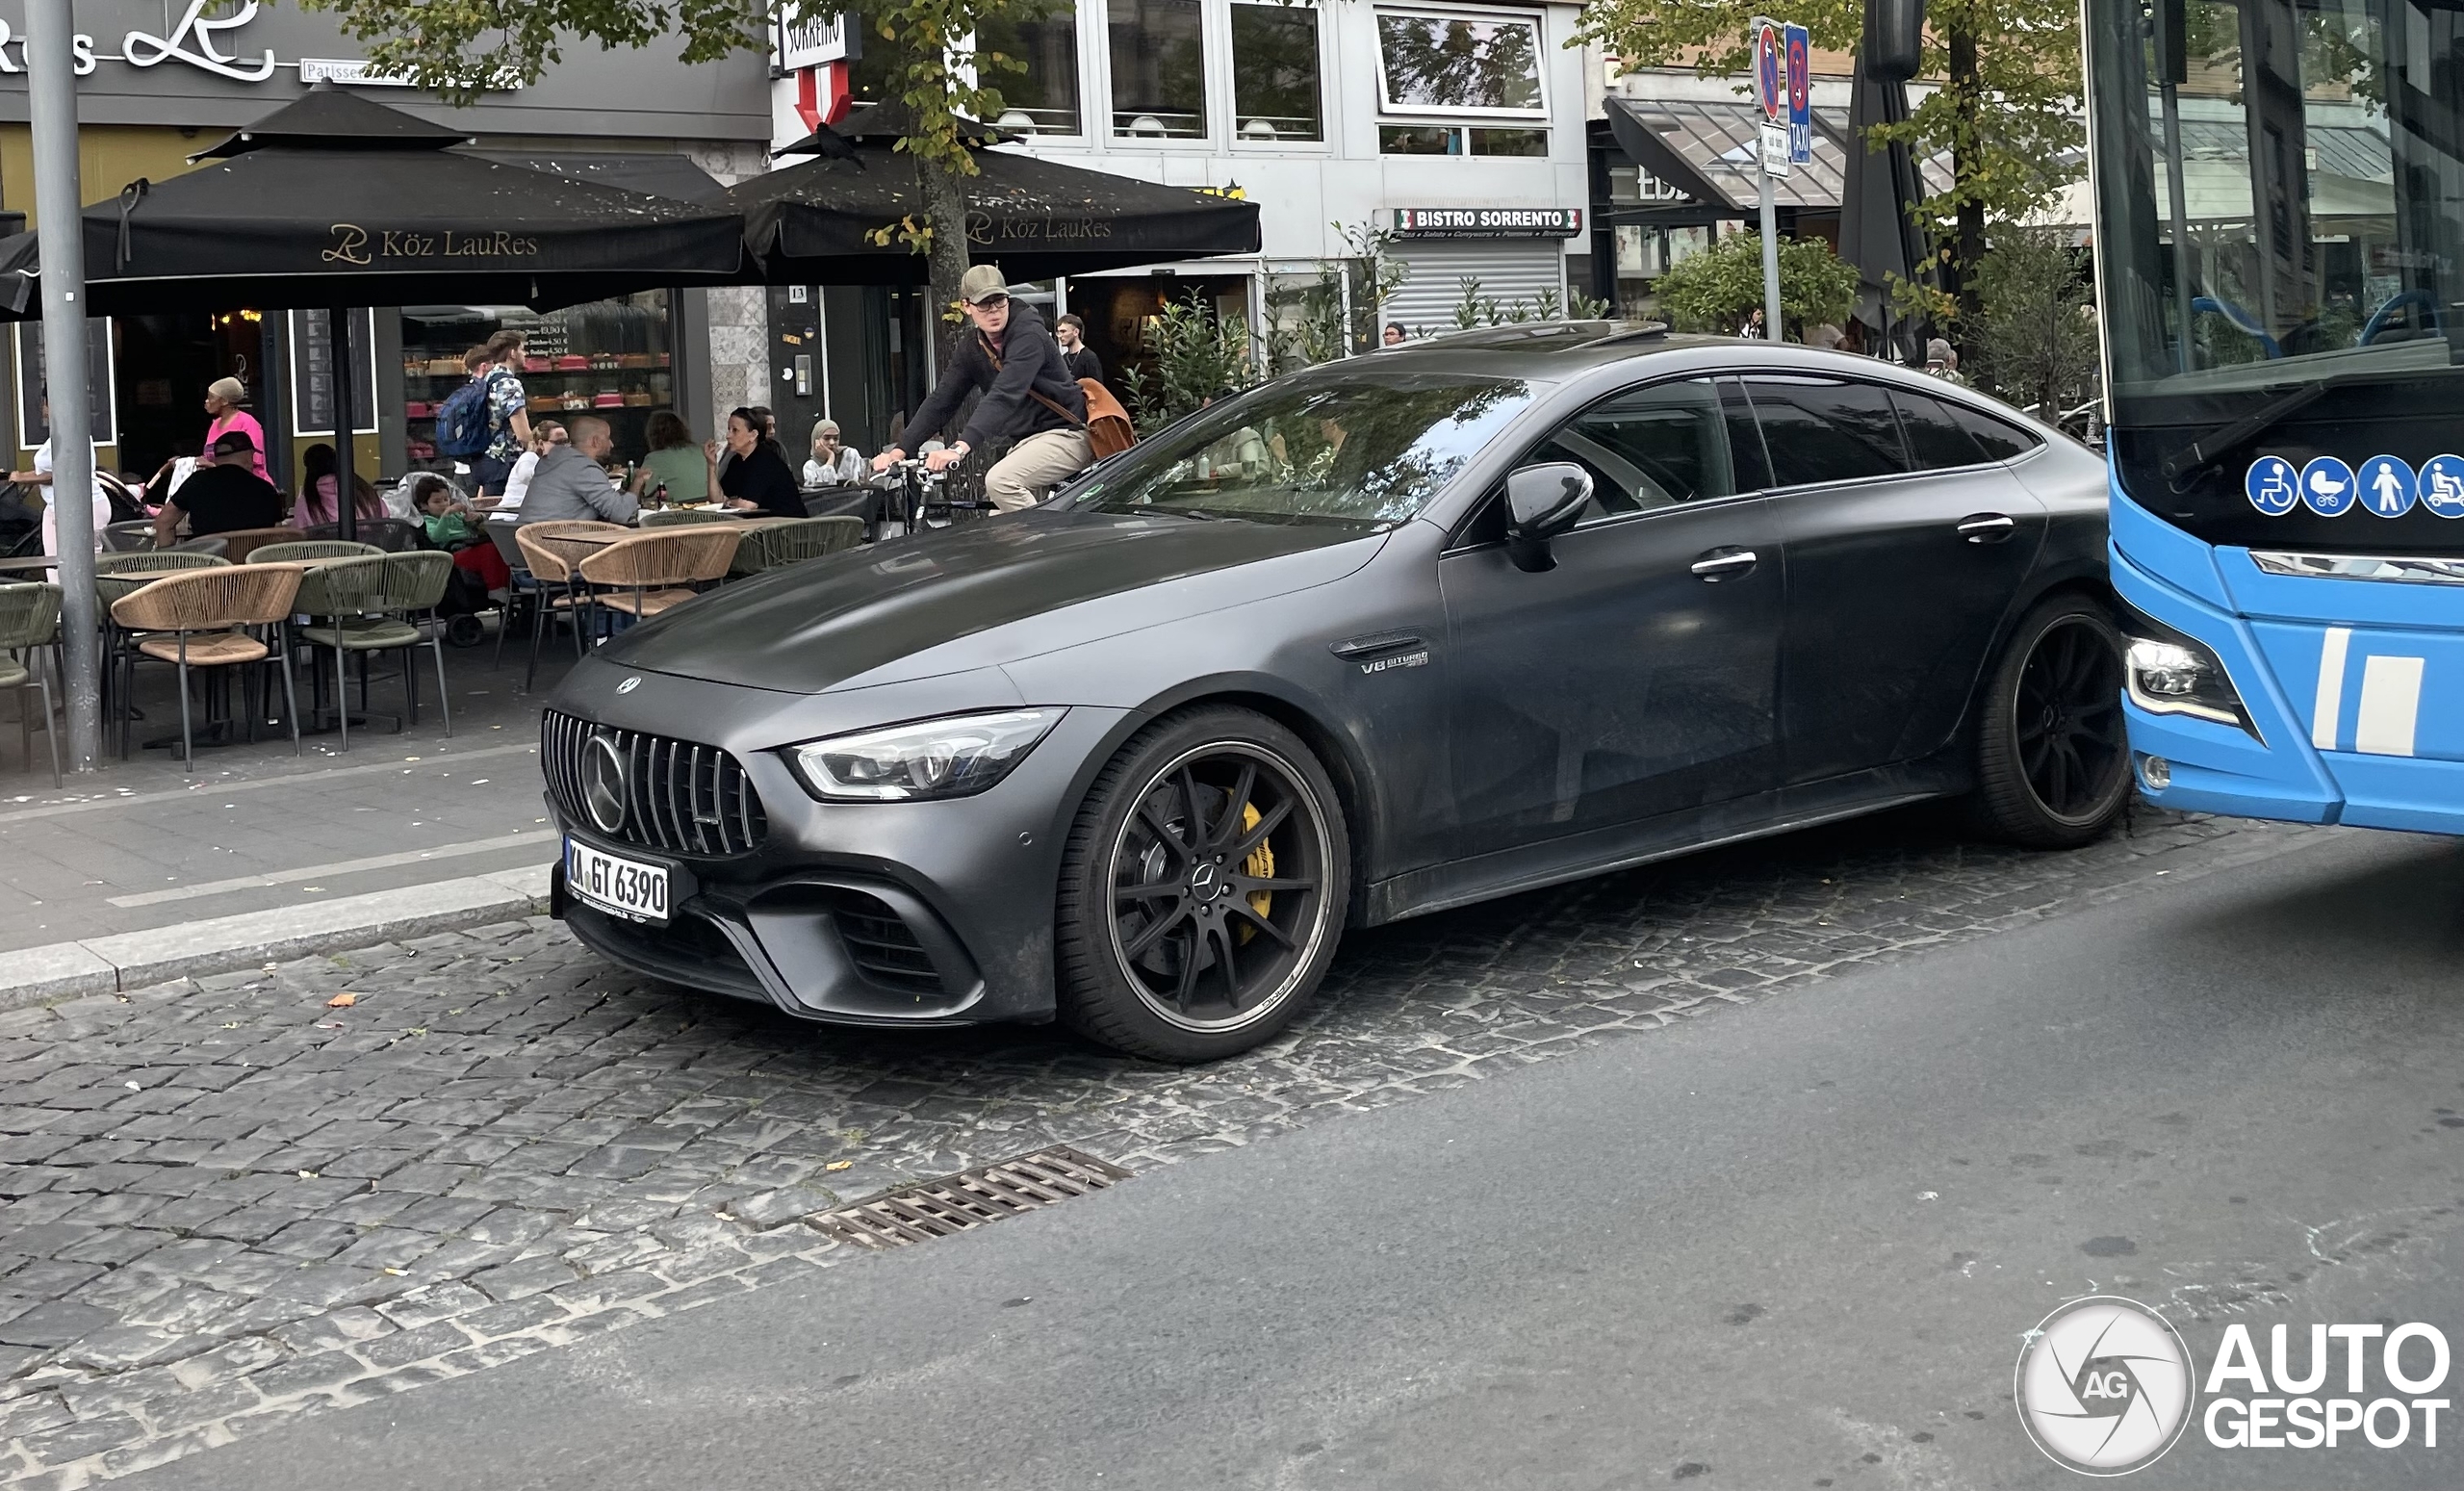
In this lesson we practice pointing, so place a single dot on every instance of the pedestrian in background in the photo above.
(40, 476)
(1942, 361)
(223, 398)
(1393, 335)
(1077, 358)
(508, 413)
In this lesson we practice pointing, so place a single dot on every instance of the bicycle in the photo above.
(923, 496)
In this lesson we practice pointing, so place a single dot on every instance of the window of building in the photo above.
(1159, 69)
(1274, 71)
(1044, 99)
(1443, 64)
(1455, 139)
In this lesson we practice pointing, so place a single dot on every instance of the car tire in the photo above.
(2052, 761)
(1203, 889)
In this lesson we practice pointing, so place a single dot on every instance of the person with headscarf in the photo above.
(831, 464)
(223, 398)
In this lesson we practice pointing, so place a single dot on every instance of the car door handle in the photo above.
(1986, 527)
(1719, 564)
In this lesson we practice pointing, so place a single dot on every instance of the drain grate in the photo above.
(955, 1203)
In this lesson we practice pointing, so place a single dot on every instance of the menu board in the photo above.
(31, 429)
(312, 372)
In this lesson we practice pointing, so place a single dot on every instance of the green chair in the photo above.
(670, 516)
(771, 546)
(362, 606)
(212, 619)
(30, 625)
(310, 551)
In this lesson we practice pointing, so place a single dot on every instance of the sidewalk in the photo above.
(139, 872)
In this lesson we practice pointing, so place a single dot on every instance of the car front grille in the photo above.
(680, 797)
(881, 944)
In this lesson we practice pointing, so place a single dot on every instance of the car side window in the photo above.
(2000, 441)
(1652, 446)
(1821, 430)
(1933, 438)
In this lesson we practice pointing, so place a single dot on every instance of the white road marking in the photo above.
(379, 862)
(2330, 701)
(2391, 698)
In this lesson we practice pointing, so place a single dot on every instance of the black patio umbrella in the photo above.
(333, 202)
(811, 222)
(1878, 229)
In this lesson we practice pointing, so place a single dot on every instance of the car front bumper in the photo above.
(869, 913)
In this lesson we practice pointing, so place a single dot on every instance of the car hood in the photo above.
(982, 594)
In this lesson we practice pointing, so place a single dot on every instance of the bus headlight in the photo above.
(2169, 673)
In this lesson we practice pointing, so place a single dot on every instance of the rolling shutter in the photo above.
(1511, 271)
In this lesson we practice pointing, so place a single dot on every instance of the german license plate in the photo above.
(627, 887)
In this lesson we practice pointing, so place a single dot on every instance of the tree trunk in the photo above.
(1970, 246)
(945, 204)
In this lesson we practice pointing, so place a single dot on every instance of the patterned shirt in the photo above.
(505, 400)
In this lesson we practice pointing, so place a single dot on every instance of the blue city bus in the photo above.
(2279, 245)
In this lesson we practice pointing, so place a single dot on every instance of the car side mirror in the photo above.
(1541, 502)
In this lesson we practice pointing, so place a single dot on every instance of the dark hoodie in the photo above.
(1030, 360)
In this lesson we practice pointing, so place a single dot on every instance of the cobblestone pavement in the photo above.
(228, 1201)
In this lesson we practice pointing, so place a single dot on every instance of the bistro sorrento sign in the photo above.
(1488, 221)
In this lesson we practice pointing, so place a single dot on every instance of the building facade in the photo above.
(1447, 138)
(161, 79)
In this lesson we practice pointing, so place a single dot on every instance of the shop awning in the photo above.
(1705, 150)
(334, 200)
(812, 222)
(672, 176)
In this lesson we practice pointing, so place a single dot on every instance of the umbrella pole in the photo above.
(346, 478)
(51, 84)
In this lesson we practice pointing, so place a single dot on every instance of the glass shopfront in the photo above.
(612, 359)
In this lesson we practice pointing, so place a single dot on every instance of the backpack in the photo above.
(1107, 426)
(462, 426)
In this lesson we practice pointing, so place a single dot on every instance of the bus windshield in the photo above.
(2280, 245)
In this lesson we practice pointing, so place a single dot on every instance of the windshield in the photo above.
(1349, 444)
(2280, 203)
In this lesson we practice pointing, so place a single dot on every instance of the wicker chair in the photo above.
(133, 537)
(677, 516)
(213, 545)
(29, 625)
(201, 619)
(310, 551)
(367, 605)
(118, 575)
(771, 546)
(645, 575)
(239, 543)
(550, 567)
(393, 535)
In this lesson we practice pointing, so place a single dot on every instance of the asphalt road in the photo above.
(1795, 1246)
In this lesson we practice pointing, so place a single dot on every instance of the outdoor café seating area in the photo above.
(281, 633)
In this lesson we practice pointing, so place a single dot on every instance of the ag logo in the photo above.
(2104, 1386)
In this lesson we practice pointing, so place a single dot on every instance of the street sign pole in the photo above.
(51, 87)
(1768, 82)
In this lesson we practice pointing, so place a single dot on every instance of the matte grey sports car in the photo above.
(1390, 635)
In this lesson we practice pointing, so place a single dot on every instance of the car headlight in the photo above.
(2170, 673)
(952, 756)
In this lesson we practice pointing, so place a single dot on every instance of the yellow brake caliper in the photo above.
(1259, 866)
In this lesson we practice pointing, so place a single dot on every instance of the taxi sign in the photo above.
(1800, 66)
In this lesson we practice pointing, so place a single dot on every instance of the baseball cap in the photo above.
(231, 442)
(983, 282)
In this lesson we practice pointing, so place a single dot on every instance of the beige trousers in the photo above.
(1035, 466)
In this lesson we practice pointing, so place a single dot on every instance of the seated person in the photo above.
(570, 483)
(222, 497)
(316, 506)
(832, 464)
(545, 435)
(443, 512)
(757, 480)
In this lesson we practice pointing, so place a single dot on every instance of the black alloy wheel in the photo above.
(1203, 889)
(2053, 759)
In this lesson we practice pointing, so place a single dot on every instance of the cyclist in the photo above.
(1029, 398)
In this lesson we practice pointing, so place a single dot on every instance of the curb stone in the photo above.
(226, 944)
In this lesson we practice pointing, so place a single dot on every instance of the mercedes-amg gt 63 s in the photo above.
(1409, 630)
